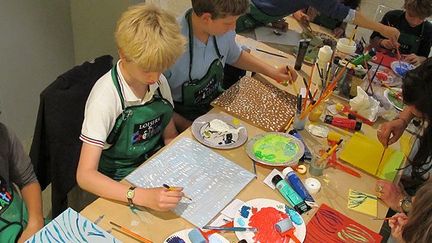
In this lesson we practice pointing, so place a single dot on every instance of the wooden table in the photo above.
(334, 192)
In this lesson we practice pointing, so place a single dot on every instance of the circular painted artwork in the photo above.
(275, 148)
(219, 131)
(182, 237)
(264, 214)
(395, 99)
(401, 68)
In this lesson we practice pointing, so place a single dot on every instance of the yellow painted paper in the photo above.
(363, 202)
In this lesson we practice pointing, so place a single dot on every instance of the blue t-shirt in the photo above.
(203, 56)
(330, 8)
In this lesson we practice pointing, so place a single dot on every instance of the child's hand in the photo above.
(31, 229)
(159, 199)
(285, 75)
(396, 223)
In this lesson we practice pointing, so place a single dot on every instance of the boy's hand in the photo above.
(159, 199)
(285, 75)
(338, 32)
(390, 33)
(391, 131)
(414, 59)
(31, 229)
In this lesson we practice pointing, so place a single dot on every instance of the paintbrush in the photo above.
(172, 189)
(271, 53)
(251, 229)
(353, 34)
(289, 124)
(382, 156)
(130, 233)
(309, 92)
(385, 219)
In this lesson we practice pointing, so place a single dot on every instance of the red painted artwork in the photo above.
(264, 220)
(329, 225)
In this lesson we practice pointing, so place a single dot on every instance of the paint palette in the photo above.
(401, 68)
(386, 76)
(275, 149)
(263, 214)
(219, 131)
(182, 237)
(392, 99)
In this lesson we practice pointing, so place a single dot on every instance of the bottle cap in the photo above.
(286, 171)
(276, 179)
(358, 126)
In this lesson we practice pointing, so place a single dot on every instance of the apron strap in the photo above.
(115, 77)
(189, 21)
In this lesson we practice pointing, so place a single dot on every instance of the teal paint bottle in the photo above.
(290, 195)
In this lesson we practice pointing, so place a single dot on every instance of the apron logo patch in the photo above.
(146, 130)
(207, 91)
(5, 196)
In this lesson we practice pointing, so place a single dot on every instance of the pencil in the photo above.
(130, 233)
(172, 189)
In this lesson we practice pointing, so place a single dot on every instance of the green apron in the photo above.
(197, 94)
(13, 213)
(326, 22)
(254, 18)
(136, 135)
(410, 43)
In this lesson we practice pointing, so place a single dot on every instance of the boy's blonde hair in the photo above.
(150, 37)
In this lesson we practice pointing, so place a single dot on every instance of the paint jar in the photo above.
(318, 164)
(315, 114)
(299, 123)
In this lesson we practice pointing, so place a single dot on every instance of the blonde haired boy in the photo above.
(128, 113)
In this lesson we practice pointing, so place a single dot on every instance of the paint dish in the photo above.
(275, 149)
(386, 76)
(182, 237)
(219, 131)
(401, 68)
(392, 99)
(264, 214)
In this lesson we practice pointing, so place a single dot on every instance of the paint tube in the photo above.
(303, 46)
(297, 185)
(343, 122)
(290, 195)
(307, 153)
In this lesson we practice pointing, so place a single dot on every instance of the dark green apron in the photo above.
(136, 135)
(326, 22)
(197, 94)
(254, 18)
(409, 43)
(13, 213)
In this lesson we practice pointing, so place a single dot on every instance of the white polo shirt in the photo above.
(104, 106)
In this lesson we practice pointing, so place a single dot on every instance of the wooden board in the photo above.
(259, 103)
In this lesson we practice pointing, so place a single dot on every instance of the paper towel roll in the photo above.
(312, 185)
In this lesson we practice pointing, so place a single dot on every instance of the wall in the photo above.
(35, 46)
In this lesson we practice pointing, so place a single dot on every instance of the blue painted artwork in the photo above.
(70, 226)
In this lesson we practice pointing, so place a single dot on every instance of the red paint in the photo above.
(382, 76)
(327, 223)
(264, 220)
(343, 122)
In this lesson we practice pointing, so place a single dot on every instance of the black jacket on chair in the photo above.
(56, 146)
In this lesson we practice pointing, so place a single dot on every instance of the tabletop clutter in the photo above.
(342, 94)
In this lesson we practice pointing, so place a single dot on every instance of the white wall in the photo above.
(35, 46)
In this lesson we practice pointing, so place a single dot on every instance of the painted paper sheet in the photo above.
(211, 180)
(329, 225)
(70, 226)
(363, 202)
(258, 102)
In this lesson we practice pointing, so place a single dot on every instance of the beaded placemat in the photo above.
(258, 102)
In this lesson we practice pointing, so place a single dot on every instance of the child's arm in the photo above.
(90, 179)
(170, 132)
(248, 62)
(31, 194)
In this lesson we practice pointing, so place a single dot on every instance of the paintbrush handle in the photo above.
(130, 233)
(230, 228)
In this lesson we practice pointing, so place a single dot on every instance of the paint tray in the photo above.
(365, 153)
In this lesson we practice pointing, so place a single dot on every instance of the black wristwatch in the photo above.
(405, 204)
(130, 195)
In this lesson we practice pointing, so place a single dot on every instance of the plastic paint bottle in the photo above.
(343, 122)
(297, 184)
(290, 195)
(360, 60)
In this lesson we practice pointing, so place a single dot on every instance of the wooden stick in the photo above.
(130, 233)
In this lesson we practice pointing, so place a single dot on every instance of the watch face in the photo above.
(130, 194)
(406, 205)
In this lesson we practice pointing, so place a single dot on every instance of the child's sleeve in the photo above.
(234, 50)
(21, 169)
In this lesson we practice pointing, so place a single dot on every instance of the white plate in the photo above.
(243, 219)
(393, 79)
(396, 67)
(386, 95)
(277, 147)
(201, 123)
(182, 237)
